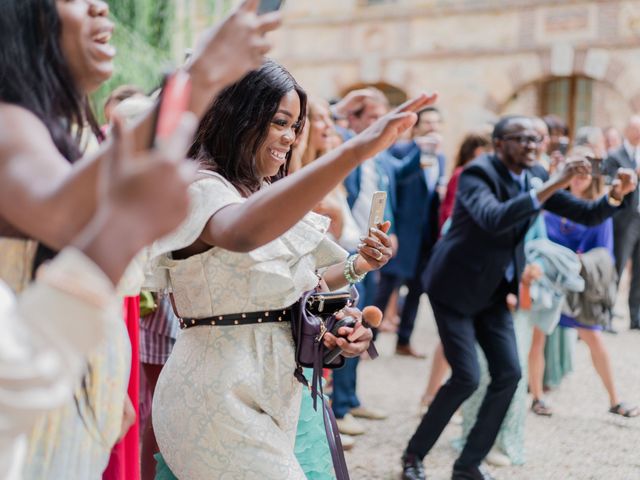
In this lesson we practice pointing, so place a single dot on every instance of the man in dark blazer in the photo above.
(476, 265)
(626, 223)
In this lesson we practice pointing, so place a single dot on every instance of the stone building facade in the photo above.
(577, 58)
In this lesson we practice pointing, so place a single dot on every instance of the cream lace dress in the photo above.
(226, 404)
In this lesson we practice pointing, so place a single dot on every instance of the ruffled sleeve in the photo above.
(207, 196)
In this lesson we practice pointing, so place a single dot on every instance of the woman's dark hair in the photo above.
(238, 122)
(469, 145)
(34, 73)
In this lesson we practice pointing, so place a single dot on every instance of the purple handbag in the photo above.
(313, 316)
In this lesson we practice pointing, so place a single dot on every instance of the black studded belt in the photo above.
(270, 316)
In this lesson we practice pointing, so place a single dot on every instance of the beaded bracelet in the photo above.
(350, 272)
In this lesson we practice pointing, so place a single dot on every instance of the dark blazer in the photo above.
(619, 158)
(416, 215)
(488, 225)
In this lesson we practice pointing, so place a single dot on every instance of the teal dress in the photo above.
(312, 448)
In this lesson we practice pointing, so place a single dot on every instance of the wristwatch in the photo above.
(613, 201)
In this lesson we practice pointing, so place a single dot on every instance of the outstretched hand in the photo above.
(140, 197)
(228, 51)
(148, 190)
(375, 249)
(384, 132)
(625, 182)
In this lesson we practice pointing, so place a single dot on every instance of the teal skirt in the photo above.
(312, 448)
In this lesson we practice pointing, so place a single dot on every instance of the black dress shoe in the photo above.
(412, 468)
(471, 473)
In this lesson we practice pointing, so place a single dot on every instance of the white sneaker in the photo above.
(347, 442)
(497, 458)
(349, 425)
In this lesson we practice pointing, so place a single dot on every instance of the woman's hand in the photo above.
(384, 132)
(625, 182)
(349, 349)
(228, 51)
(375, 251)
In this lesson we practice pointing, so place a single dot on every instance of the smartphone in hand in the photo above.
(376, 214)
(174, 101)
(267, 6)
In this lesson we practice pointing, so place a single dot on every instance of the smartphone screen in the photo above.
(174, 100)
(376, 214)
(267, 6)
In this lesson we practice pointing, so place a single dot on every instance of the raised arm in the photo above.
(557, 200)
(484, 207)
(273, 210)
(44, 197)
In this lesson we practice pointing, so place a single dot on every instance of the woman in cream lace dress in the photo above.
(226, 404)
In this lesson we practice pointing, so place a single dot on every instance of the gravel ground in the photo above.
(581, 441)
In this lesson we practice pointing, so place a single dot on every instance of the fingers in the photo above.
(418, 103)
(122, 145)
(385, 226)
(381, 235)
(371, 255)
(269, 22)
(403, 121)
(249, 6)
(372, 242)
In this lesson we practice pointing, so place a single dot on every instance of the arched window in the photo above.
(571, 98)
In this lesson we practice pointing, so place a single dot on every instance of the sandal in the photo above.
(625, 410)
(540, 407)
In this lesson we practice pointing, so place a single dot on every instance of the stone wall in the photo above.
(484, 57)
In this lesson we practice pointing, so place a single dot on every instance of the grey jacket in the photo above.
(594, 305)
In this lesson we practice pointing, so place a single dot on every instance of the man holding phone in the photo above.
(421, 172)
(375, 174)
(476, 265)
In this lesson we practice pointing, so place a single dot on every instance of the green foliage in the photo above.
(145, 34)
(142, 37)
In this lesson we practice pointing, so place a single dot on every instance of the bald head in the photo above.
(632, 131)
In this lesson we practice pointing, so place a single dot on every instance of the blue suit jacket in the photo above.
(417, 212)
(488, 225)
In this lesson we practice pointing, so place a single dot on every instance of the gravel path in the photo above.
(581, 441)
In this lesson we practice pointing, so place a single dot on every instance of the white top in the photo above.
(219, 282)
(368, 185)
(43, 356)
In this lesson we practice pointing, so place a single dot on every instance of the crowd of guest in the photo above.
(150, 283)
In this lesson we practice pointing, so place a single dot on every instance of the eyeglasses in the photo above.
(524, 139)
